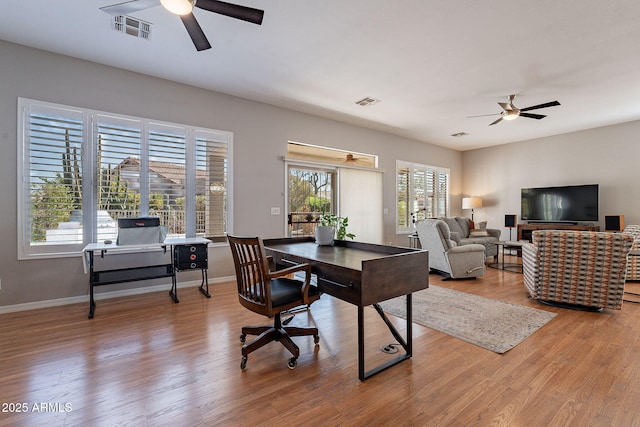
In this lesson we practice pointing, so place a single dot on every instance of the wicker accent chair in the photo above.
(633, 262)
(576, 269)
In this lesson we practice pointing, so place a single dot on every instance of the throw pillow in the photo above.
(480, 225)
(479, 233)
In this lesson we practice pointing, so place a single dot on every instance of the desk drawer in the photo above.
(341, 287)
(190, 257)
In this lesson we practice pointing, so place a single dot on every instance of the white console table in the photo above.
(186, 254)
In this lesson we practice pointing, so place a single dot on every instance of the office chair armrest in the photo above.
(289, 270)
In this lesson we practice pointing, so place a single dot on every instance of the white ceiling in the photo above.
(432, 63)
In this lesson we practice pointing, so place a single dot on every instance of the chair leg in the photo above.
(264, 338)
(295, 331)
(288, 343)
(255, 330)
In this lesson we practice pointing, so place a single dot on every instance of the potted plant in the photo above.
(330, 225)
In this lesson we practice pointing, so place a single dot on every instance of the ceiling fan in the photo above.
(511, 112)
(184, 8)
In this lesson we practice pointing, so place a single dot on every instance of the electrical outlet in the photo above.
(275, 211)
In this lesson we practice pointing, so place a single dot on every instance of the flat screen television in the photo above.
(572, 203)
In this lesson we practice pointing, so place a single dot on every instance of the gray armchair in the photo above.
(445, 256)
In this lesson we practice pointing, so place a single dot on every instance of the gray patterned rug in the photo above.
(489, 323)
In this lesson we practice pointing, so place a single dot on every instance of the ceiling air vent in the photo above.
(132, 26)
(365, 102)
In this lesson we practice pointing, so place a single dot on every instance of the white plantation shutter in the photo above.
(441, 193)
(422, 192)
(81, 170)
(403, 206)
(212, 182)
(118, 158)
(167, 184)
(50, 188)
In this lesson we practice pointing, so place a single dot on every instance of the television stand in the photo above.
(552, 222)
(525, 230)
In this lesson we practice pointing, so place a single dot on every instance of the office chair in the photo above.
(266, 291)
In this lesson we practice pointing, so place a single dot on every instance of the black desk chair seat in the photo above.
(265, 291)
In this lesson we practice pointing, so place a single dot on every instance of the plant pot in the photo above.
(324, 235)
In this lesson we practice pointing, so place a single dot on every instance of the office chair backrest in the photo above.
(252, 273)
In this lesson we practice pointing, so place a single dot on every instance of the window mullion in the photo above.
(89, 179)
(190, 184)
(144, 169)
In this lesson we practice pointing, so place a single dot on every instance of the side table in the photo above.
(501, 264)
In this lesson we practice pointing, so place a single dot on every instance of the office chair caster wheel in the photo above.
(292, 363)
(316, 339)
(243, 363)
(243, 338)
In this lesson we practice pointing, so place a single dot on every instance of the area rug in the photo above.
(489, 323)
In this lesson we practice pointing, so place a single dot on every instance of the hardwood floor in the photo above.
(144, 361)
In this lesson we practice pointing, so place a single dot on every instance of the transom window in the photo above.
(422, 192)
(81, 170)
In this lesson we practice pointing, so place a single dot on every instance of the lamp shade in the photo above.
(471, 202)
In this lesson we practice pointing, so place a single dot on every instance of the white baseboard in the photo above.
(106, 295)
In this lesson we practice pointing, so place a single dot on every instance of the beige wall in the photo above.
(260, 133)
(607, 156)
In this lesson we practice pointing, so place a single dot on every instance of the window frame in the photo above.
(90, 170)
(413, 168)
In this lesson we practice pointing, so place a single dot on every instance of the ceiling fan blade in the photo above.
(507, 106)
(532, 116)
(535, 107)
(195, 32)
(129, 7)
(497, 121)
(483, 115)
(244, 13)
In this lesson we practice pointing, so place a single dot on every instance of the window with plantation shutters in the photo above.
(212, 183)
(52, 168)
(81, 170)
(422, 192)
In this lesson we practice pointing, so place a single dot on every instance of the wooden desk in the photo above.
(186, 254)
(361, 274)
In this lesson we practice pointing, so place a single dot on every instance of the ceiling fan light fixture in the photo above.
(510, 114)
(178, 7)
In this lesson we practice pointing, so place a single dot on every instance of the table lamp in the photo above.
(471, 203)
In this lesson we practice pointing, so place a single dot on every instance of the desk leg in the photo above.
(204, 286)
(361, 373)
(406, 345)
(92, 302)
(174, 287)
